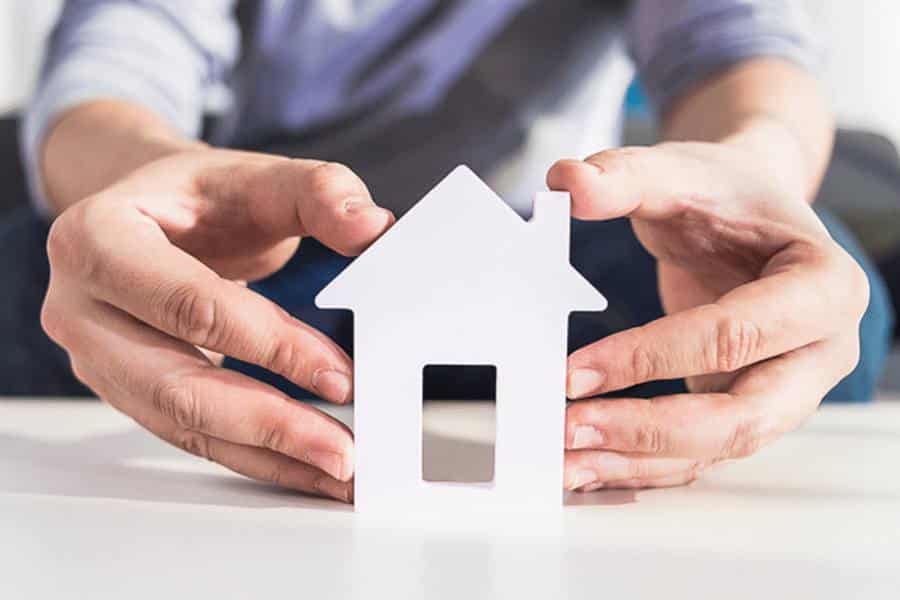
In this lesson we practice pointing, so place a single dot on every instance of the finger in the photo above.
(633, 181)
(257, 463)
(765, 401)
(156, 379)
(671, 480)
(127, 262)
(684, 425)
(325, 200)
(788, 389)
(786, 309)
(591, 467)
(656, 183)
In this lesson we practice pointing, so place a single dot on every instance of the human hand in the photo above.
(148, 272)
(763, 312)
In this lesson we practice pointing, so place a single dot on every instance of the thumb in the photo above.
(325, 200)
(641, 182)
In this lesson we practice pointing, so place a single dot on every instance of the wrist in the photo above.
(769, 147)
(768, 111)
(765, 147)
(93, 145)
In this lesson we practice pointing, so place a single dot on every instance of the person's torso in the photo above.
(507, 86)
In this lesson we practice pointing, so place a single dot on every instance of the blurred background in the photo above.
(859, 72)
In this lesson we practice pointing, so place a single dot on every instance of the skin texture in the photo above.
(763, 307)
(156, 235)
(146, 273)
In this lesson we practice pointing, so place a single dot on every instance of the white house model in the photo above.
(461, 279)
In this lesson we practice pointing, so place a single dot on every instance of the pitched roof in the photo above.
(463, 234)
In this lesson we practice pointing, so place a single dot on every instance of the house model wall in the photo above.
(461, 279)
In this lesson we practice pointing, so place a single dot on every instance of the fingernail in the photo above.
(372, 214)
(586, 436)
(584, 381)
(581, 478)
(330, 462)
(336, 489)
(358, 205)
(332, 385)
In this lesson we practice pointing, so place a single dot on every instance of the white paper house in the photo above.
(461, 279)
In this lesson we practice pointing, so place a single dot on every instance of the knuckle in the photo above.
(54, 323)
(179, 402)
(853, 356)
(190, 316)
(854, 289)
(273, 435)
(318, 486)
(193, 442)
(79, 372)
(859, 289)
(850, 356)
(737, 343)
(638, 470)
(649, 438)
(330, 179)
(275, 475)
(647, 364)
(227, 182)
(71, 243)
(283, 359)
(745, 440)
(61, 242)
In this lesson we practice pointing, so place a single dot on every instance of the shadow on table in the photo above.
(601, 498)
(452, 459)
(132, 465)
(752, 489)
(854, 431)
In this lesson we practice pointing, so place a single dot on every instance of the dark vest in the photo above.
(485, 115)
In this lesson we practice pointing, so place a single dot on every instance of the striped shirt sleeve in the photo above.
(678, 43)
(164, 55)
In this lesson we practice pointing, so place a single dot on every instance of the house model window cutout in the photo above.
(462, 279)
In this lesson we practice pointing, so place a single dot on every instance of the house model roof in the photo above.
(462, 249)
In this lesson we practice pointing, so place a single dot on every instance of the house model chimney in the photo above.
(551, 223)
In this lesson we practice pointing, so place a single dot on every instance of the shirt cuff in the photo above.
(156, 67)
(693, 49)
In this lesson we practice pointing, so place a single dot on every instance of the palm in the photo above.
(242, 214)
(762, 306)
(212, 217)
(711, 247)
(693, 268)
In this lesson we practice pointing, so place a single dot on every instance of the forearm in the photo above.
(94, 144)
(771, 108)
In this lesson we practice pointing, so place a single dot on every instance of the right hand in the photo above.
(149, 272)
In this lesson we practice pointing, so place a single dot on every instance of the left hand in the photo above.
(762, 314)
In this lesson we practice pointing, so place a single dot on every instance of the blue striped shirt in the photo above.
(301, 64)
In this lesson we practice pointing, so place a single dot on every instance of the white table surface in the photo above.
(91, 506)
